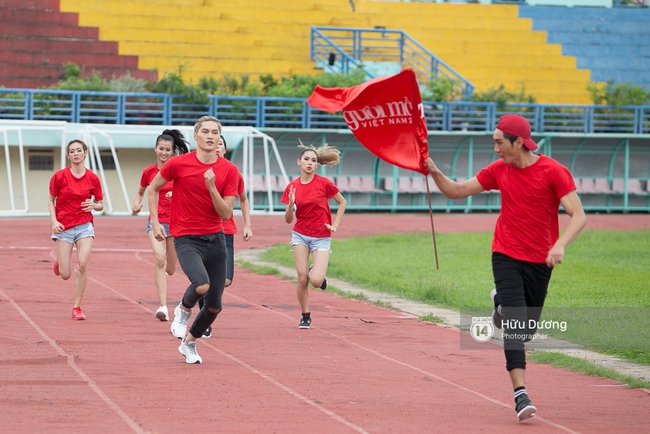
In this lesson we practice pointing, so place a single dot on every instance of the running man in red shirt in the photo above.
(312, 232)
(230, 228)
(526, 244)
(70, 205)
(205, 186)
(168, 144)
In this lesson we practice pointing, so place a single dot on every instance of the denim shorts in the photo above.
(164, 225)
(312, 243)
(75, 233)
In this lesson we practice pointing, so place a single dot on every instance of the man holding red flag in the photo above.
(386, 116)
(526, 244)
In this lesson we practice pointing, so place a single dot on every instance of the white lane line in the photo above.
(406, 365)
(287, 389)
(252, 369)
(80, 372)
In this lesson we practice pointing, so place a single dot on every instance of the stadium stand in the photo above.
(272, 37)
(37, 39)
(611, 43)
(489, 45)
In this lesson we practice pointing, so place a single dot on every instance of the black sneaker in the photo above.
(207, 334)
(305, 322)
(524, 407)
(497, 318)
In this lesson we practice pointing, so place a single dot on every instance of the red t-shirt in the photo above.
(528, 224)
(70, 192)
(229, 226)
(148, 174)
(312, 207)
(192, 211)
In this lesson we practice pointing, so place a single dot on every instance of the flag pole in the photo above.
(433, 231)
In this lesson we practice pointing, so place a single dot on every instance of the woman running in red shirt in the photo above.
(70, 205)
(312, 232)
(168, 144)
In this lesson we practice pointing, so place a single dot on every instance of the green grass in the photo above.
(429, 317)
(578, 365)
(601, 289)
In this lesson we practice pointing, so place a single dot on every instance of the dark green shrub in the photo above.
(502, 97)
(618, 94)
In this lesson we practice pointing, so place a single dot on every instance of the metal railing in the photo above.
(272, 112)
(341, 49)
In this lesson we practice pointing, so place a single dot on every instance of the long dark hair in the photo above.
(176, 137)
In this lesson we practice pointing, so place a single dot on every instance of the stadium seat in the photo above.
(601, 186)
(367, 185)
(388, 183)
(433, 188)
(343, 184)
(405, 185)
(633, 187)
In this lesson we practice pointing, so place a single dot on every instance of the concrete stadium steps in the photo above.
(255, 50)
(205, 21)
(37, 39)
(61, 46)
(99, 62)
(49, 31)
(207, 67)
(465, 36)
(204, 39)
(612, 43)
(42, 5)
(442, 48)
(564, 63)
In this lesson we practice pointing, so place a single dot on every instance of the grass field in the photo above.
(601, 290)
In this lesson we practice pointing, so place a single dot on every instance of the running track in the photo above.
(361, 368)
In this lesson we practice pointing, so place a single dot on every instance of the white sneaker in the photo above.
(188, 349)
(179, 325)
(162, 313)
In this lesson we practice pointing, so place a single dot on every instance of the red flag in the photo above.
(385, 114)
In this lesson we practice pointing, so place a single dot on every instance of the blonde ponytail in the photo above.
(326, 154)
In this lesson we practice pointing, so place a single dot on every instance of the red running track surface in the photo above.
(360, 368)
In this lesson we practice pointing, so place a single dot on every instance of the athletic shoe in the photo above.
(305, 322)
(188, 349)
(207, 334)
(497, 318)
(162, 313)
(179, 325)
(77, 313)
(524, 407)
(323, 285)
(56, 268)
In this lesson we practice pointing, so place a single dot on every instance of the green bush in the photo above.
(440, 89)
(173, 84)
(502, 97)
(618, 94)
(127, 83)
